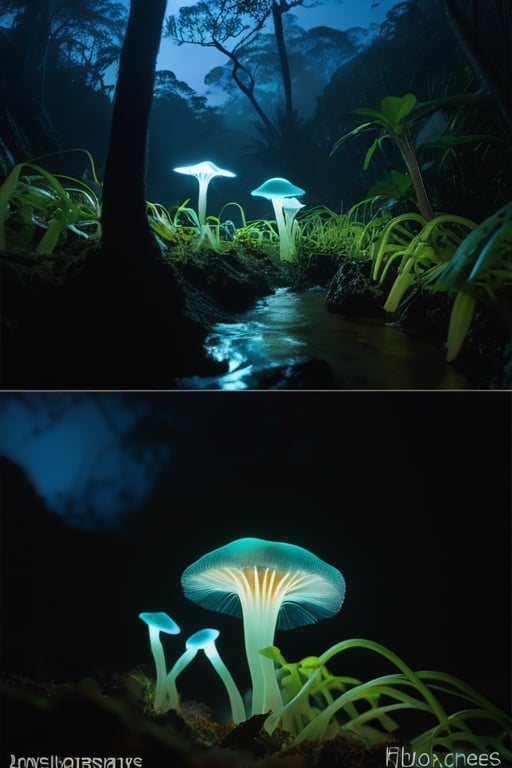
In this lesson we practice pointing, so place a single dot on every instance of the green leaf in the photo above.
(481, 250)
(460, 319)
(371, 152)
(6, 191)
(51, 237)
(354, 132)
(273, 652)
(378, 117)
(395, 109)
(497, 248)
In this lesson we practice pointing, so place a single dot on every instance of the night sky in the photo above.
(106, 498)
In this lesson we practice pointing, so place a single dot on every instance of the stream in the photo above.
(287, 328)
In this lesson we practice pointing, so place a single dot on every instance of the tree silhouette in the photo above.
(42, 38)
(24, 121)
(137, 324)
(314, 55)
(229, 26)
(124, 198)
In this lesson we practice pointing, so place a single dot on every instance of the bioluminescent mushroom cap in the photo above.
(160, 621)
(255, 570)
(204, 170)
(202, 638)
(269, 584)
(277, 187)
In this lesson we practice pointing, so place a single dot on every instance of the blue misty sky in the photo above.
(191, 62)
(76, 452)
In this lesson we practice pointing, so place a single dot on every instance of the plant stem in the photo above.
(406, 146)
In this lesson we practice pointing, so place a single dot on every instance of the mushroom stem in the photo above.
(201, 201)
(235, 699)
(259, 634)
(284, 241)
(159, 658)
(171, 695)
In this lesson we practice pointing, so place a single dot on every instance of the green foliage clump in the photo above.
(318, 705)
(39, 209)
(477, 272)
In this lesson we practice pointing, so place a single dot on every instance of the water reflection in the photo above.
(287, 328)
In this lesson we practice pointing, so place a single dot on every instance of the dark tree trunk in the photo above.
(133, 329)
(126, 233)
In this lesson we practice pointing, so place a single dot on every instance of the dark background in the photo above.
(408, 494)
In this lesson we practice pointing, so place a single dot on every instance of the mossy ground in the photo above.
(115, 718)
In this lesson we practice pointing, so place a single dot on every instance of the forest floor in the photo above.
(66, 325)
(116, 718)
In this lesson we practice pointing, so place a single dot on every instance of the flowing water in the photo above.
(363, 353)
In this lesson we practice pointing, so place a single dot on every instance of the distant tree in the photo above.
(89, 35)
(229, 26)
(168, 88)
(23, 115)
(43, 37)
(314, 56)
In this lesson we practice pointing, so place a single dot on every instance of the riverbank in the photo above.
(73, 325)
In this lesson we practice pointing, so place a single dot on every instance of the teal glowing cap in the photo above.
(202, 638)
(160, 621)
(254, 572)
(277, 187)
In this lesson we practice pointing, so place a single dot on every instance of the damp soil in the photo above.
(115, 719)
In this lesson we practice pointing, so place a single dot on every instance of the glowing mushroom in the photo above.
(204, 640)
(278, 191)
(204, 173)
(270, 584)
(159, 622)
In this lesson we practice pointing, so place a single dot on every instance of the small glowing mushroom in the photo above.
(159, 622)
(270, 584)
(204, 640)
(204, 173)
(291, 207)
(278, 190)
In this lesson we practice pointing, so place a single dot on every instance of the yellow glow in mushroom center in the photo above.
(265, 585)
